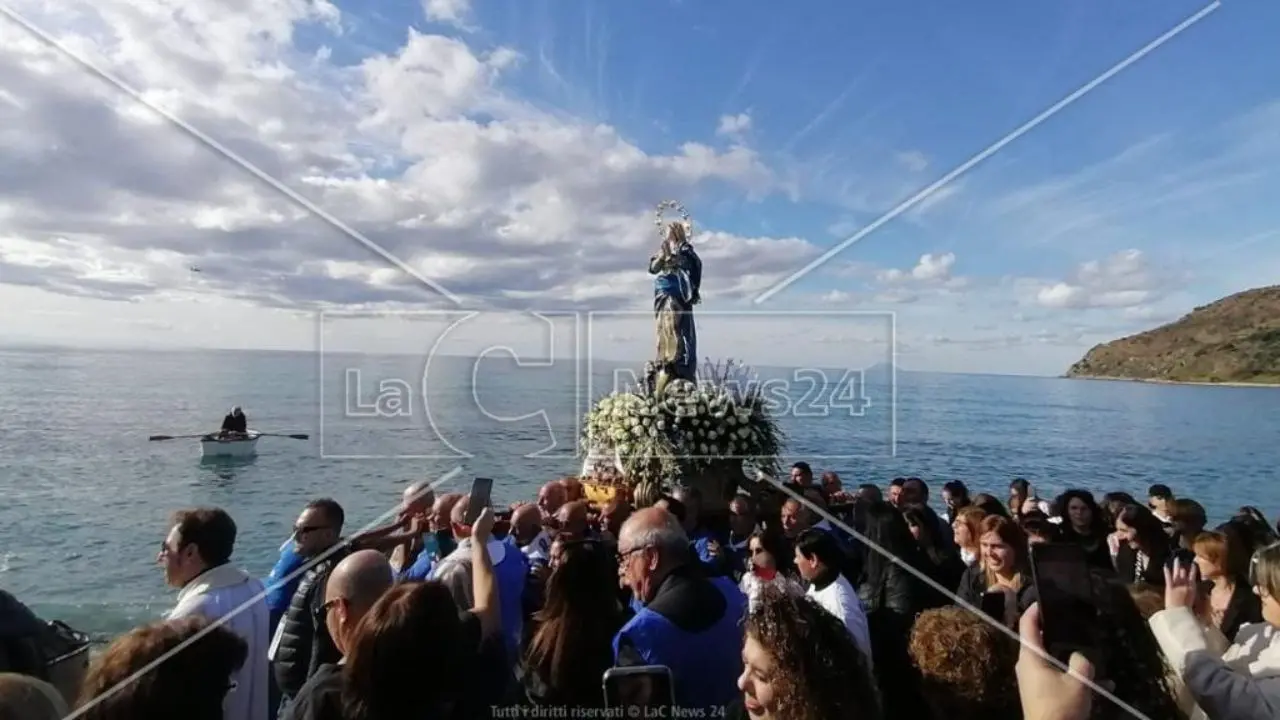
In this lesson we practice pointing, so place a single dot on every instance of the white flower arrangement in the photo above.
(688, 427)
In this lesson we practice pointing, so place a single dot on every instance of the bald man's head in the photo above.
(526, 523)
(354, 585)
(552, 496)
(656, 528)
(573, 518)
(360, 579)
(441, 511)
(418, 498)
(572, 488)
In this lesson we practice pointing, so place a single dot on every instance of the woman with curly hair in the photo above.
(800, 663)
(966, 666)
(192, 684)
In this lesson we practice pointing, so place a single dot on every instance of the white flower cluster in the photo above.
(622, 420)
(698, 422)
(709, 422)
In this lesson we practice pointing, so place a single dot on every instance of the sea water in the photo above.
(85, 498)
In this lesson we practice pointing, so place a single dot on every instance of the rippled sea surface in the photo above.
(84, 497)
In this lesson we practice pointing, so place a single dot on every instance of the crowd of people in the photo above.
(806, 602)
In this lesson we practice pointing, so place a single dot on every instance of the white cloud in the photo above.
(734, 125)
(931, 269)
(423, 150)
(451, 12)
(1123, 280)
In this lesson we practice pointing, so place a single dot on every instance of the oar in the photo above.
(295, 436)
(175, 437)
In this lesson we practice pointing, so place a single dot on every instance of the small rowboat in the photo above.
(213, 446)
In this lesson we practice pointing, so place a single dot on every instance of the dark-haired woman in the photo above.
(573, 644)
(990, 505)
(1084, 524)
(772, 562)
(944, 564)
(955, 496)
(891, 596)
(1144, 547)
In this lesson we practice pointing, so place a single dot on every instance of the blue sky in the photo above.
(840, 93)
(512, 150)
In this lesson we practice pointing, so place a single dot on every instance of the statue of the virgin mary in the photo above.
(677, 282)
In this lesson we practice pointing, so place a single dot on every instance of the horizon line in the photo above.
(35, 345)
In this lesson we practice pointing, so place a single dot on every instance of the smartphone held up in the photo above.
(480, 498)
(1069, 609)
(644, 686)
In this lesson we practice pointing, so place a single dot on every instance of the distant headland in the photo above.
(1232, 341)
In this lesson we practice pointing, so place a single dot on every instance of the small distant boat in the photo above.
(212, 445)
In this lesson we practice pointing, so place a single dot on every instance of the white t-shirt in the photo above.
(840, 599)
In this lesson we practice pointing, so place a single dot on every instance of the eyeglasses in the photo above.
(300, 530)
(623, 556)
(166, 550)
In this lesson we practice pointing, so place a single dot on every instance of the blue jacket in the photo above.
(513, 575)
(279, 594)
(420, 569)
(693, 626)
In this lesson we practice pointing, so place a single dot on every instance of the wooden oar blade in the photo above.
(300, 436)
(160, 437)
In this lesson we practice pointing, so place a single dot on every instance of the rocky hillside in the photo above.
(1236, 339)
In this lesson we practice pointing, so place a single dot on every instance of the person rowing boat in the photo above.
(235, 425)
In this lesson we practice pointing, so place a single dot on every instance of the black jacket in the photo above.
(1245, 607)
(304, 643)
(947, 572)
(973, 584)
(320, 698)
(899, 591)
(231, 423)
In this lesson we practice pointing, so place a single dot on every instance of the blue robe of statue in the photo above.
(676, 283)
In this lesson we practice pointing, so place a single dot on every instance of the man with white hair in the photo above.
(235, 423)
(685, 620)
